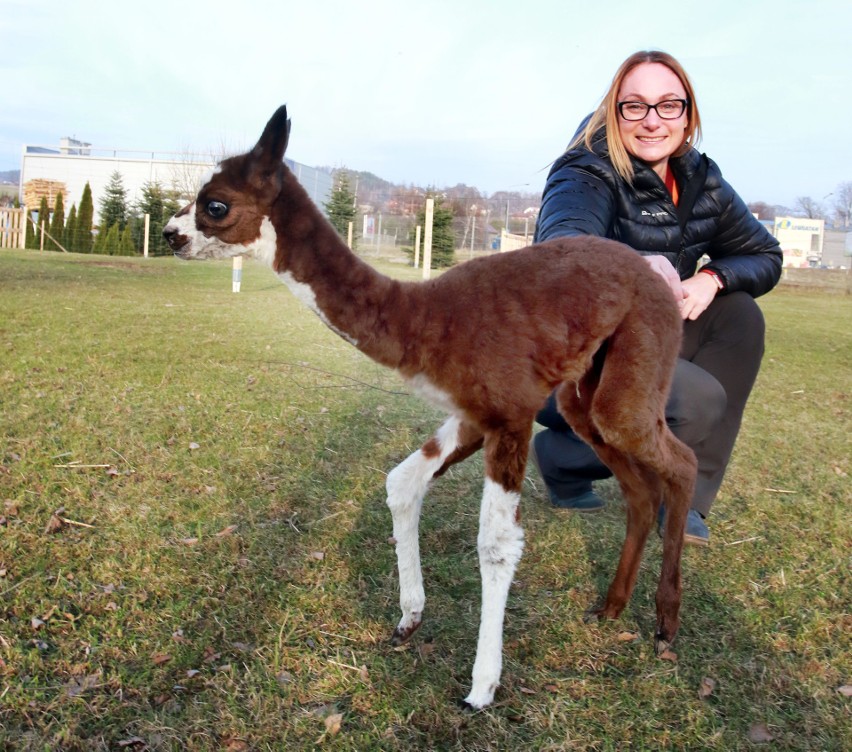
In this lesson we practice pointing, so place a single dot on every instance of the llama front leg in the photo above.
(406, 485)
(500, 544)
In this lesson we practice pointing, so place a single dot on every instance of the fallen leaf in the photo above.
(759, 734)
(840, 472)
(527, 691)
(845, 690)
(159, 659)
(333, 723)
(54, 524)
(194, 445)
(192, 673)
(364, 674)
(627, 636)
(134, 741)
(668, 655)
(226, 531)
(36, 623)
(551, 688)
(76, 686)
(706, 688)
(234, 745)
(189, 541)
(318, 555)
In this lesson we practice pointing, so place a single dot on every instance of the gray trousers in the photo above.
(719, 360)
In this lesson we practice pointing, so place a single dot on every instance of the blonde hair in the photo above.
(606, 115)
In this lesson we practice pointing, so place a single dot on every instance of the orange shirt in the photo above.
(671, 185)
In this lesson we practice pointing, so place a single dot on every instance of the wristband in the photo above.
(716, 278)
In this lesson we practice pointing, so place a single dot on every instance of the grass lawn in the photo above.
(195, 553)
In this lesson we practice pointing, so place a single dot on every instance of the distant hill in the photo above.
(10, 176)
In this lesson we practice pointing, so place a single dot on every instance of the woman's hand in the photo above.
(698, 293)
(664, 268)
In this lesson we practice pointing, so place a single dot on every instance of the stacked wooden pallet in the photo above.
(38, 187)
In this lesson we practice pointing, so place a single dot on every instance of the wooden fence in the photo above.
(12, 226)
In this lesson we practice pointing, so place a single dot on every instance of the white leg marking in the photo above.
(500, 544)
(406, 485)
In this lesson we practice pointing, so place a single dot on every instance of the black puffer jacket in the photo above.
(584, 195)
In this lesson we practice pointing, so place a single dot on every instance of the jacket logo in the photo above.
(654, 214)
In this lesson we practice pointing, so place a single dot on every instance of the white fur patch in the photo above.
(500, 544)
(200, 246)
(306, 295)
(425, 389)
(406, 485)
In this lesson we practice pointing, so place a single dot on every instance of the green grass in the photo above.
(227, 580)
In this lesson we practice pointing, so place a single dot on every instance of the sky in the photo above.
(430, 93)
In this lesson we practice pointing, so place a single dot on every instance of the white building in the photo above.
(801, 240)
(75, 163)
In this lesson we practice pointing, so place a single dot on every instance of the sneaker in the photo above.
(587, 501)
(696, 533)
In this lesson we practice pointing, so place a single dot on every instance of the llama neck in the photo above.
(348, 295)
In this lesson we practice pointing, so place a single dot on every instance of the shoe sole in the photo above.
(592, 510)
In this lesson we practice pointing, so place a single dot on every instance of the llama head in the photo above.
(230, 214)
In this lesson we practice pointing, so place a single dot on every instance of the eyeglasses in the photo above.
(669, 109)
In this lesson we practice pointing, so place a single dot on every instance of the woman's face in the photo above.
(652, 139)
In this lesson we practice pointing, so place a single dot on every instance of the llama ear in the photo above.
(273, 141)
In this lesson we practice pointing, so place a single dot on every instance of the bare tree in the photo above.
(843, 203)
(809, 207)
(762, 209)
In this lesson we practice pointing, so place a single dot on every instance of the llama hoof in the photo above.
(663, 649)
(593, 616)
(478, 700)
(402, 634)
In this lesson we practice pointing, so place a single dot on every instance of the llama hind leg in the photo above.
(628, 412)
(641, 491)
(678, 494)
(406, 486)
(500, 544)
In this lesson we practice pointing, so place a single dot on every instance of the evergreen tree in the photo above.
(70, 229)
(57, 226)
(443, 238)
(43, 216)
(111, 240)
(340, 208)
(125, 244)
(160, 205)
(99, 242)
(114, 204)
(85, 215)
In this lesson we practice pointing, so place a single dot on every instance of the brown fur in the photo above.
(497, 335)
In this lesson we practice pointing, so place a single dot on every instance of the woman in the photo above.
(632, 174)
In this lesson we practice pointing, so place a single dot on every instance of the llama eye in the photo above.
(217, 209)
